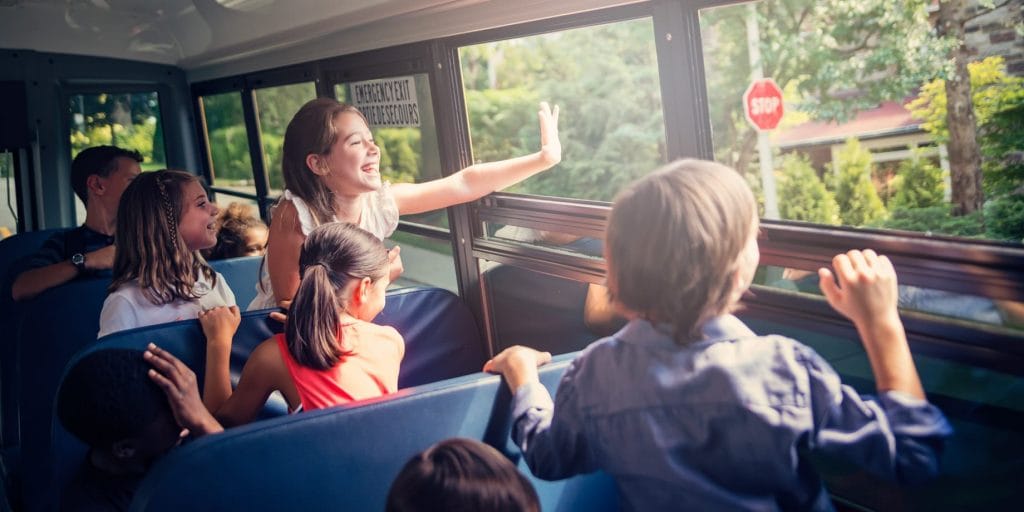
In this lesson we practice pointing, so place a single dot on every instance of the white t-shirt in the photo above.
(380, 217)
(128, 308)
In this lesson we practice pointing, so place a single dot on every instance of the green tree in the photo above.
(919, 184)
(806, 198)
(859, 204)
(998, 102)
(606, 81)
(835, 57)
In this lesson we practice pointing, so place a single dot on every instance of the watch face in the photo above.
(78, 259)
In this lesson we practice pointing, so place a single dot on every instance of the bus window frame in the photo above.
(922, 260)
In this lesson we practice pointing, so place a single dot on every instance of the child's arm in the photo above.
(481, 179)
(219, 325)
(179, 384)
(263, 373)
(32, 282)
(284, 243)
(518, 365)
(867, 295)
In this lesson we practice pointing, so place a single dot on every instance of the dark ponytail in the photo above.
(333, 256)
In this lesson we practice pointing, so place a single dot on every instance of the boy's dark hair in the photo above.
(673, 242)
(107, 397)
(101, 160)
(461, 475)
(333, 255)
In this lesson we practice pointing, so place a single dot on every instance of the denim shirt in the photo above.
(719, 424)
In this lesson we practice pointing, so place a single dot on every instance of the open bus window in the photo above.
(8, 196)
(229, 145)
(427, 262)
(860, 136)
(276, 107)
(401, 117)
(605, 80)
(127, 120)
(937, 303)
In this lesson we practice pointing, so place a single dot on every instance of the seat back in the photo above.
(242, 274)
(441, 335)
(12, 249)
(345, 458)
(53, 327)
(441, 342)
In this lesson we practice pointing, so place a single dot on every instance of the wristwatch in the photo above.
(78, 259)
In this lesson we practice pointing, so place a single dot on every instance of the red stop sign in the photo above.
(762, 103)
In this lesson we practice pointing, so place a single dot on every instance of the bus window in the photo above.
(938, 304)
(231, 166)
(401, 116)
(8, 196)
(604, 78)
(403, 128)
(428, 262)
(853, 129)
(127, 120)
(276, 106)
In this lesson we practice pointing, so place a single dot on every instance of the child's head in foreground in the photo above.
(461, 475)
(108, 401)
(681, 245)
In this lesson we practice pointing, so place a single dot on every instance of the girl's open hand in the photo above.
(179, 384)
(395, 266)
(866, 292)
(550, 146)
(220, 323)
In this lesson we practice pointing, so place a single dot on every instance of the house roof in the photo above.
(889, 118)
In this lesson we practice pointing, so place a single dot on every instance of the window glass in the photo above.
(276, 107)
(936, 303)
(8, 196)
(552, 240)
(544, 309)
(126, 120)
(229, 144)
(427, 262)
(401, 117)
(605, 80)
(855, 128)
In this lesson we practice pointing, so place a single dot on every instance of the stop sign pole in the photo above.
(762, 112)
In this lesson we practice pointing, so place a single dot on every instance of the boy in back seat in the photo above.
(131, 408)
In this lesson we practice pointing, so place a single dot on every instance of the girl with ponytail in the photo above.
(330, 353)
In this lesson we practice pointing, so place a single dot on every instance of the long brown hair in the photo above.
(311, 132)
(673, 241)
(149, 248)
(333, 255)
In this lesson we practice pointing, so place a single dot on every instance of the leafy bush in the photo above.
(1004, 218)
(919, 185)
(859, 204)
(935, 220)
(803, 195)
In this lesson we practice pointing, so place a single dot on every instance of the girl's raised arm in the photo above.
(283, 247)
(263, 373)
(478, 180)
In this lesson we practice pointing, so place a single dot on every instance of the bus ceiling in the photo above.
(215, 38)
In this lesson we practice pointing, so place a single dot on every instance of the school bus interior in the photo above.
(209, 85)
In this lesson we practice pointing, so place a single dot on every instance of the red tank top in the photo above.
(369, 371)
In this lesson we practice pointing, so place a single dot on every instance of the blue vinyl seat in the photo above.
(345, 458)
